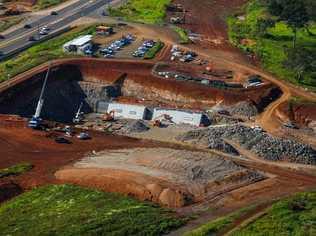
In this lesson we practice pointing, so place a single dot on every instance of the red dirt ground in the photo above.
(208, 19)
(20, 144)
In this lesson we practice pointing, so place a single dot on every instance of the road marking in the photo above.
(31, 31)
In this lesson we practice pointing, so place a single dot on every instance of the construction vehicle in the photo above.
(79, 115)
(108, 116)
(158, 121)
(36, 120)
(177, 20)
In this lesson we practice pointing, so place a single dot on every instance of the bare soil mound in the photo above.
(174, 178)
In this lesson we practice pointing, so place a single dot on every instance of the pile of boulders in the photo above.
(257, 141)
(243, 109)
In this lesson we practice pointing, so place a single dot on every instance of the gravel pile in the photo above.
(245, 108)
(260, 143)
(136, 126)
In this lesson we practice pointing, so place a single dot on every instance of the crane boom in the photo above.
(36, 120)
(41, 100)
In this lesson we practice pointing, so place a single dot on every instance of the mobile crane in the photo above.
(36, 121)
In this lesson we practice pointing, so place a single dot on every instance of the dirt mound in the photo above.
(170, 177)
(302, 114)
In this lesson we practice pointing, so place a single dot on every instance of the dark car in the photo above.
(1, 53)
(62, 140)
(2, 36)
(27, 26)
(54, 13)
(32, 38)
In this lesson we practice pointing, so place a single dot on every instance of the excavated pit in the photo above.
(89, 81)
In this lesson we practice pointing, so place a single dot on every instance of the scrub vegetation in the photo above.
(285, 47)
(42, 4)
(151, 53)
(15, 170)
(8, 22)
(183, 35)
(145, 11)
(73, 210)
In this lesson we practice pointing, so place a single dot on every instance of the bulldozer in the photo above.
(108, 116)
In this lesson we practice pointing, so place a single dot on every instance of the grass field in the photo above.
(73, 210)
(213, 227)
(145, 11)
(295, 215)
(272, 46)
(15, 170)
(40, 53)
(8, 22)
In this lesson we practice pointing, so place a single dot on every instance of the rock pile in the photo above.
(245, 109)
(259, 142)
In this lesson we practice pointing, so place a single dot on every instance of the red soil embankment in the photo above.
(140, 83)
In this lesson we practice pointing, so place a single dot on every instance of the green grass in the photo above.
(292, 216)
(73, 210)
(295, 215)
(271, 47)
(213, 227)
(42, 4)
(151, 53)
(15, 170)
(183, 35)
(8, 22)
(145, 11)
(40, 53)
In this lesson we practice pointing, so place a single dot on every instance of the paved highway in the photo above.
(19, 38)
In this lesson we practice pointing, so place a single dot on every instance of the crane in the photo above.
(36, 120)
(79, 115)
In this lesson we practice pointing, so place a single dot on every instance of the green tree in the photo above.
(262, 25)
(292, 12)
(311, 11)
(300, 60)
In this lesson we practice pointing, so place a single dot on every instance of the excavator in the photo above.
(36, 120)
(108, 116)
(157, 122)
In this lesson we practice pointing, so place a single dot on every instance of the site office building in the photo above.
(78, 45)
(139, 112)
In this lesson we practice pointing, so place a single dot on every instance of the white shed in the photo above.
(180, 116)
(127, 111)
(78, 44)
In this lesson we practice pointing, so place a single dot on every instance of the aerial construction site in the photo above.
(168, 113)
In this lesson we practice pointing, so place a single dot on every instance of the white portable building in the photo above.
(78, 44)
(180, 116)
(127, 111)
